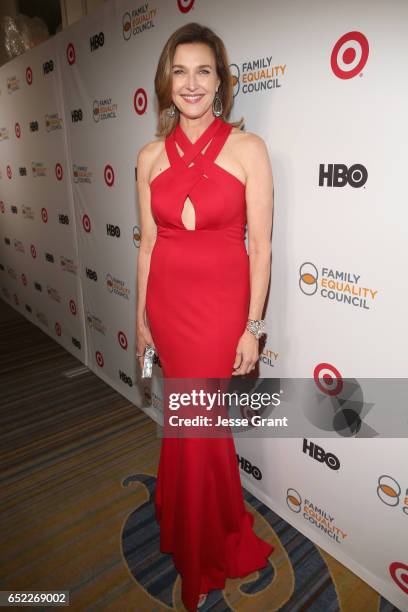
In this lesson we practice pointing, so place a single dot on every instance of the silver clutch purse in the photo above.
(148, 361)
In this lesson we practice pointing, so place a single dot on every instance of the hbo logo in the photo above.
(112, 230)
(96, 41)
(317, 453)
(91, 274)
(125, 378)
(76, 115)
(247, 467)
(338, 175)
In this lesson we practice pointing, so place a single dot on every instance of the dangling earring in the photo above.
(171, 112)
(217, 105)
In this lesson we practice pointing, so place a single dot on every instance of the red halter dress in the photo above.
(197, 303)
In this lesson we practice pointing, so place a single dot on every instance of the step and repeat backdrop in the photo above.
(326, 88)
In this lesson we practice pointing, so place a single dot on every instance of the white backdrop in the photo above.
(326, 87)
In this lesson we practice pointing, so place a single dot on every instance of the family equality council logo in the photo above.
(335, 285)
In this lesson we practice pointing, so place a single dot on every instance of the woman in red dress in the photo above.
(201, 296)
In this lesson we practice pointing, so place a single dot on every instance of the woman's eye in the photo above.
(178, 71)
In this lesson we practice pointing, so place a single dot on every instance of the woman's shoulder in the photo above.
(146, 158)
(151, 149)
(247, 143)
(148, 154)
(247, 138)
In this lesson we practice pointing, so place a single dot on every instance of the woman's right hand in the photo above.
(144, 337)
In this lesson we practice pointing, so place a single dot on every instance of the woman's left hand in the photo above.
(247, 354)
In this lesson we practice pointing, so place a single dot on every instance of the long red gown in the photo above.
(197, 306)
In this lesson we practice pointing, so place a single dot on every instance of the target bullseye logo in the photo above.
(58, 329)
(140, 101)
(185, 5)
(9, 172)
(349, 55)
(29, 75)
(58, 171)
(17, 130)
(70, 54)
(99, 359)
(72, 307)
(44, 215)
(399, 574)
(328, 379)
(33, 251)
(109, 175)
(122, 340)
(86, 223)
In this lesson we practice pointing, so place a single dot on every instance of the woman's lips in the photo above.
(192, 99)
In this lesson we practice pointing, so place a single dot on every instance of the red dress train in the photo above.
(197, 307)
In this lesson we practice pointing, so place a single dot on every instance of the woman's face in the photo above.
(195, 79)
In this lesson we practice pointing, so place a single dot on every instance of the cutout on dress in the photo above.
(188, 206)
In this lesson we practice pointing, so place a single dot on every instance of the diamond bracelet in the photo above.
(256, 327)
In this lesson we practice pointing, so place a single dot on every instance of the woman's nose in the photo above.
(191, 81)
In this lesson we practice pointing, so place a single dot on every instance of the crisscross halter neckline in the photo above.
(192, 151)
(194, 179)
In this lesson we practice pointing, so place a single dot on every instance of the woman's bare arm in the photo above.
(259, 198)
(259, 201)
(148, 231)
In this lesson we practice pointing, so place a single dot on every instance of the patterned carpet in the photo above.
(78, 473)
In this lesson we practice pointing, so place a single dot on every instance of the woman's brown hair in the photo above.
(191, 32)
